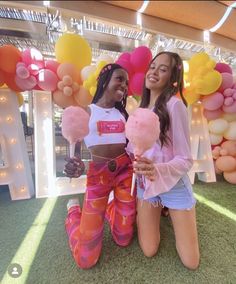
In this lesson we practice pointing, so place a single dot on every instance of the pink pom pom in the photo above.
(142, 129)
(74, 125)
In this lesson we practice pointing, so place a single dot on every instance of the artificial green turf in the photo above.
(53, 262)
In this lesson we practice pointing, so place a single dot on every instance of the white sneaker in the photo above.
(72, 202)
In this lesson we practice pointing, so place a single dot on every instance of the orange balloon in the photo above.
(10, 81)
(63, 101)
(230, 177)
(83, 97)
(9, 57)
(226, 163)
(230, 146)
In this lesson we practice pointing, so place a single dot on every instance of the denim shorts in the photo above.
(179, 197)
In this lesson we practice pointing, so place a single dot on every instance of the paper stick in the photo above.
(72, 150)
(133, 183)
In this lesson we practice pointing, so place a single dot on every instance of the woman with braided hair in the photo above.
(109, 170)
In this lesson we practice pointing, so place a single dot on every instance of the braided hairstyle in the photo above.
(174, 86)
(103, 81)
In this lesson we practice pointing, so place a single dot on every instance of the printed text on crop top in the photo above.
(106, 126)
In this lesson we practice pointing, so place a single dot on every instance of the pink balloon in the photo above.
(228, 101)
(51, 65)
(230, 108)
(212, 114)
(126, 65)
(22, 72)
(124, 56)
(33, 56)
(223, 68)
(140, 58)
(34, 69)
(213, 102)
(136, 83)
(227, 82)
(26, 84)
(47, 80)
(228, 92)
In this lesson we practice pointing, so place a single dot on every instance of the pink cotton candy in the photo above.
(74, 125)
(142, 129)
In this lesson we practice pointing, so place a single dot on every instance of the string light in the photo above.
(3, 174)
(19, 166)
(3, 99)
(9, 119)
(13, 141)
(23, 189)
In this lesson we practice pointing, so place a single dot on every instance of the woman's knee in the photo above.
(150, 249)
(191, 263)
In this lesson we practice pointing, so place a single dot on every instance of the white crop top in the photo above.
(106, 126)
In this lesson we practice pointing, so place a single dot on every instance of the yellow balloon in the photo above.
(190, 96)
(74, 49)
(210, 83)
(92, 90)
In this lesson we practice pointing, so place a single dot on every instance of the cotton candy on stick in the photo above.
(75, 126)
(142, 129)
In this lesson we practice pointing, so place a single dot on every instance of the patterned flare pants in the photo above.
(85, 228)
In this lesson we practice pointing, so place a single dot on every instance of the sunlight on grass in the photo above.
(216, 207)
(29, 246)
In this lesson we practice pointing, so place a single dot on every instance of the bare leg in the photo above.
(148, 223)
(185, 228)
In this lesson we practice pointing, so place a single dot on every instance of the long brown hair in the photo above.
(174, 86)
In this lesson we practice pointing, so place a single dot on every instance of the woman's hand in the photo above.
(144, 166)
(74, 167)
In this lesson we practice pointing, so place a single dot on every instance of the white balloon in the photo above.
(105, 57)
(218, 126)
(87, 70)
(230, 134)
(215, 139)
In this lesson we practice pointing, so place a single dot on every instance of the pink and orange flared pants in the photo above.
(85, 228)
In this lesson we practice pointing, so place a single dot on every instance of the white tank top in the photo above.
(106, 126)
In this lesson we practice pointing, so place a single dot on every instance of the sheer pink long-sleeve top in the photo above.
(172, 161)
